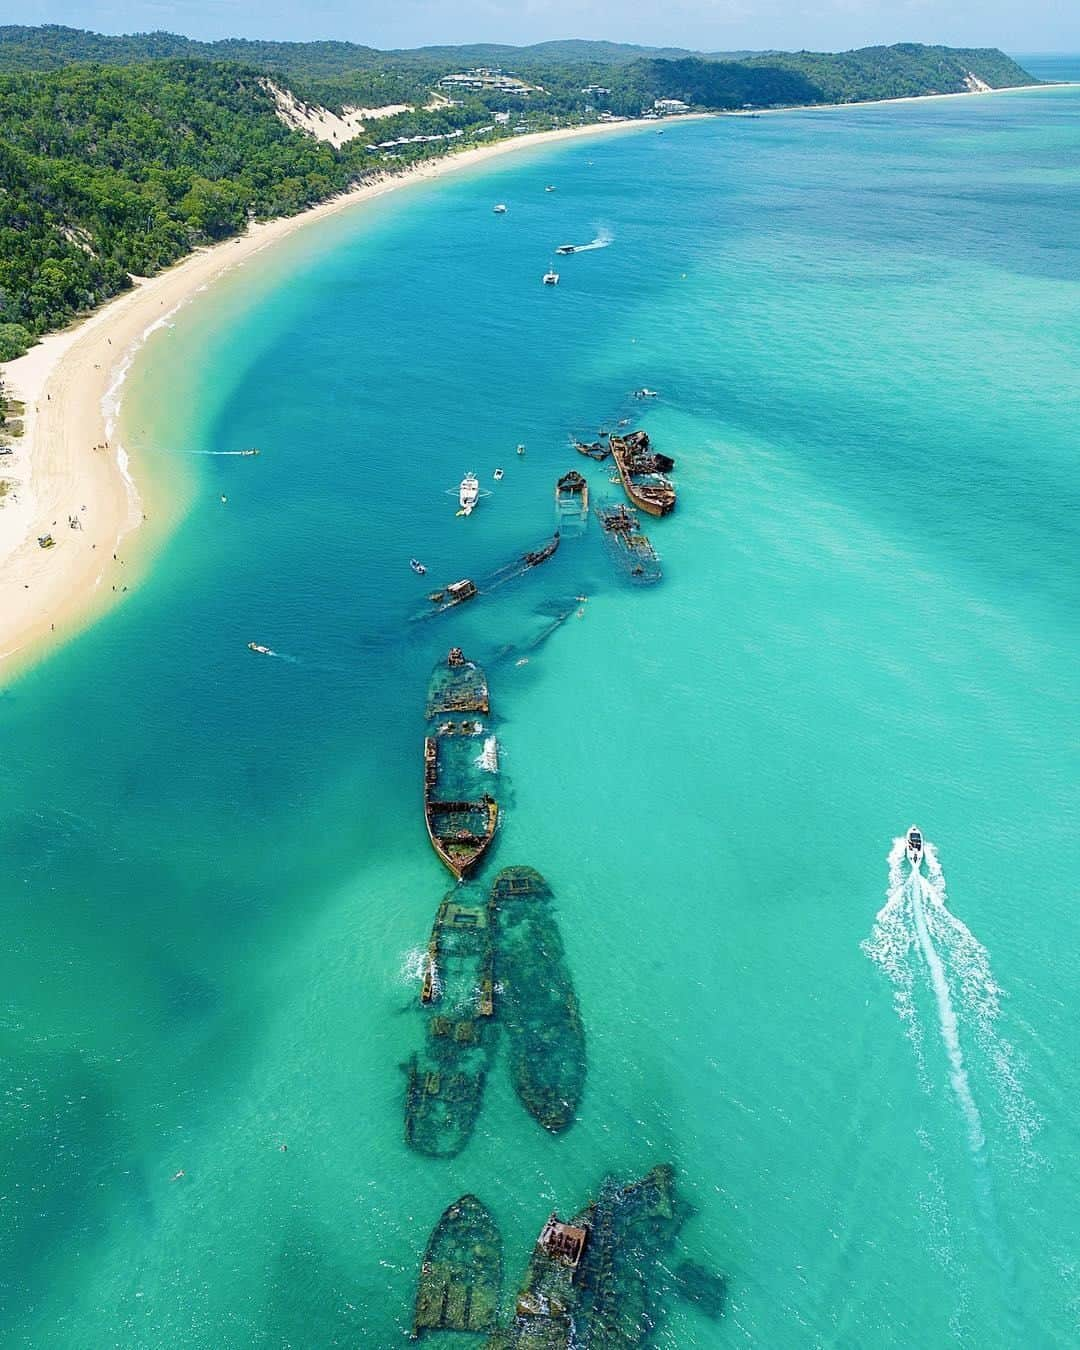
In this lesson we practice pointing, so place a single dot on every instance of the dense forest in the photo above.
(120, 154)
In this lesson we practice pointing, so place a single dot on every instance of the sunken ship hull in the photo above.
(643, 473)
(632, 551)
(460, 765)
(538, 1005)
(599, 1280)
(445, 1082)
(461, 1273)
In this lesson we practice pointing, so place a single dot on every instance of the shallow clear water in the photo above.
(863, 327)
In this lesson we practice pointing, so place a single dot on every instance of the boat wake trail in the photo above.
(602, 240)
(915, 935)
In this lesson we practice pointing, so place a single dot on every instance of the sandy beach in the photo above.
(69, 475)
(69, 464)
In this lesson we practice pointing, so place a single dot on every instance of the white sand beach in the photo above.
(69, 464)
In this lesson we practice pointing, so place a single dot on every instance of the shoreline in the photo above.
(69, 461)
(907, 98)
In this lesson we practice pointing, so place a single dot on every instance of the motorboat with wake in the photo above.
(258, 647)
(914, 847)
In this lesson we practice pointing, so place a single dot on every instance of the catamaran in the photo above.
(551, 278)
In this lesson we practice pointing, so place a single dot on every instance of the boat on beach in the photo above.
(460, 812)
(461, 1272)
(633, 552)
(538, 1005)
(445, 1080)
(643, 473)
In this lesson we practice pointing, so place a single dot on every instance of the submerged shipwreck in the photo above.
(461, 760)
(644, 473)
(459, 591)
(461, 1273)
(538, 1006)
(598, 1280)
(631, 549)
(572, 500)
(445, 1085)
(491, 961)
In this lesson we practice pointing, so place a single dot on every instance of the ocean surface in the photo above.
(216, 881)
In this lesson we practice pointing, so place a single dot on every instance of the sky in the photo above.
(708, 25)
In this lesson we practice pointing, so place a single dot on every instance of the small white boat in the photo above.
(497, 475)
(567, 248)
(258, 647)
(914, 847)
(646, 393)
(551, 278)
(500, 209)
(550, 187)
(417, 566)
(468, 493)
(521, 449)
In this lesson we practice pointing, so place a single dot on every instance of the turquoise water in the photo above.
(863, 327)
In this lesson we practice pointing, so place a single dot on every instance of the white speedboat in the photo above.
(499, 209)
(551, 278)
(258, 647)
(645, 393)
(468, 493)
(914, 846)
(497, 475)
(417, 566)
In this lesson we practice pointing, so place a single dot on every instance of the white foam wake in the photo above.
(916, 922)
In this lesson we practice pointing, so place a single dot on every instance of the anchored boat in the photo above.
(631, 549)
(468, 494)
(461, 1273)
(445, 1086)
(460, 812)
(643, 473)
(538, 1004)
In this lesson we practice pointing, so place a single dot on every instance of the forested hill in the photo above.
(119, 155)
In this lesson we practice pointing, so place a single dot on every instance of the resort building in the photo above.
(669, 107)
(489, 80)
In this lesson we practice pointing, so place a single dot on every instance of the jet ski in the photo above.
(914, 846)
